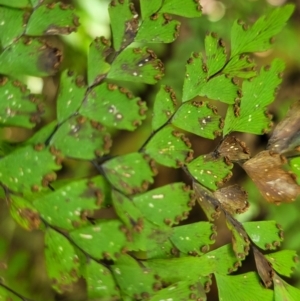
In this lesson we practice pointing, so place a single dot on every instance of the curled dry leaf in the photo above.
(233, 199)
(264, 268)
(286, 136)
(275, 184)
(233, 149)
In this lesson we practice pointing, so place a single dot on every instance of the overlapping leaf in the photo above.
(166, 205)
(30, 56)
(198, 117)
(284, 291)
(70, 96)
(267, 235)
(18, 107)
(11, 25)
(190, 8)
(61, 272)
(97, 65)
(114, 107)
(121, 172)
(209, 171)
(256, 95)
(81, 138)
(242, 287)
(104, 239)
(16, 4)
(136, 65)
(52, 19)
(28, 169)
(164, 106)
(69, 206)
(169, 147)
(149, 8)
(240, 66)
(258, 36)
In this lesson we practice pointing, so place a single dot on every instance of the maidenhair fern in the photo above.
(143, 251)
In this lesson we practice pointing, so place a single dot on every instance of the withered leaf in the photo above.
(233, 149)
(263, 267)
(233, 199)
(275, 184)
(286, 136)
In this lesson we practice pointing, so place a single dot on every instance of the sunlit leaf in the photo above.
(62, 273)
(164, 107)
(24, 213)
(267, 235)
(169, 147)
(257, 93)
(258, 36)
(114, 106)
(148, 8)
(97, 65)
(11, 24)
(70, 96)
(244, 287)
(104, 239)
(121, 172)
(209, 171)
(124, 23)
(100, 281)
(137, 65)
(166, 205)
(28, 169)
(30, 56)
(190, 9)
(168, 29)
(199, 118)
(240, 66)
(18, 107)
(69, 206)
(195, 238)
(52, 19)
(81, 138)
(284, 262)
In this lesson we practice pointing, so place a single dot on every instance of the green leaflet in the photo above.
(121, 172)
(30, 56)
(28, 169)
(148, 30)
(244, 287)
(283, 291)
(100, 281)
(124, 22)
(16, 4)
(267, 235)
(198, 117)
(11, 25)
(250, 116)
(190, 8)
(62, 272)
(148, 8)
(209, 171)
(54, 19)
(240, 66)
(18, 107)
(104, 239)
(97, 66)
(166, 205)
(164, 106)
(69, 206)
(137, 65)
(194, 239)
(114, 107)
(169, 147)
(258, 36)
(283, 262)
(70, 96)
(81, 138)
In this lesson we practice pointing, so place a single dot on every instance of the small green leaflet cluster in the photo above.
(125, 240)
